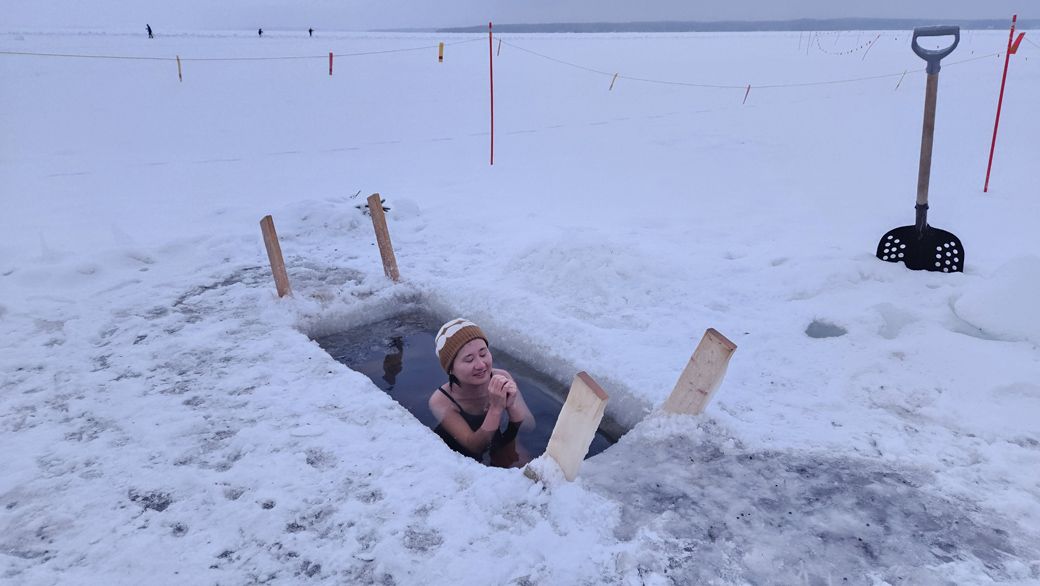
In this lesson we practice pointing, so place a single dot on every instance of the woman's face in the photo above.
(472, 364)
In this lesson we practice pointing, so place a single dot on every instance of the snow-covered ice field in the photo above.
(166, 419)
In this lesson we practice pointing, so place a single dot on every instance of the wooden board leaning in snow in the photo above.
(274, 254)
(386, 251)
(702, 375)
(577, 424)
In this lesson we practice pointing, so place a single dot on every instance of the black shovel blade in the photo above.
(929, 250)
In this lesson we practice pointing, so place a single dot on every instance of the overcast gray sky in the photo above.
(374, 14)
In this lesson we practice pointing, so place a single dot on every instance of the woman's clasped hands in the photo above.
(502, 391)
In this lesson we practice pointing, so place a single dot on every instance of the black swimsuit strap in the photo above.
(473, 420)
(441, 389)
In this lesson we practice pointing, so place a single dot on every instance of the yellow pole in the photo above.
(440, 53)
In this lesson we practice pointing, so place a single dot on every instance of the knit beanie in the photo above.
(452, 337)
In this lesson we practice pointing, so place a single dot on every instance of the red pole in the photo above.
(1000, 102)
(330, 63)
(491, 69)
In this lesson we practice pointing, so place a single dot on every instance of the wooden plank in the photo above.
(274, 254)
(702, 376)
(576, 427)
(386, 250)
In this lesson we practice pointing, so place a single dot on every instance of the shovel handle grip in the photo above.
(934, 56)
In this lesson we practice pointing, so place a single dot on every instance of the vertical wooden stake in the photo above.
(179, 76)
(702, 375)
(330, 63)
(498, 51)
(611, 88)
(576, 427)
(386, 250)
(440, 53)
(274, 254)
(746, 93)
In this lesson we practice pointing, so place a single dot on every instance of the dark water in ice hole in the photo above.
(398, 355)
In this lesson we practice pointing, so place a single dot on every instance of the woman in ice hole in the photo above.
(470, 409)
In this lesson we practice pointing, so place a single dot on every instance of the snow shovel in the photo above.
(921, 246)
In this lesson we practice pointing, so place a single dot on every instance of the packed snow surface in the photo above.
(165, 418)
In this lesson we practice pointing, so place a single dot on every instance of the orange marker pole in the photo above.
(1000, 100)
(179, 76)
(440, 53)
(330, 63)
(491, 70)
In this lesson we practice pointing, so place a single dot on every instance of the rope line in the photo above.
(24, 54)
(610, 74)
(739, 87)
(873, 77)
(276, 58)
(848, 51)
(561, 61)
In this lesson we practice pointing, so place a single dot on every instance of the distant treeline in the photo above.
(805, 24)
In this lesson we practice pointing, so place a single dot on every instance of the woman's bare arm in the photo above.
(452, 421)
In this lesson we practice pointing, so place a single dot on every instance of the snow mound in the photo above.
(1004, 306)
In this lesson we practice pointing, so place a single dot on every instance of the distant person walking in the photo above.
(148, 28)
(310, 32)
(260, 32)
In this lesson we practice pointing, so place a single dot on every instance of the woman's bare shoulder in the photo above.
(438, 397)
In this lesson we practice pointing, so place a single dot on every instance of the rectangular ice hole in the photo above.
(397, 354)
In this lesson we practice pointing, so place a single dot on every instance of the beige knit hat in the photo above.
(452, 337)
